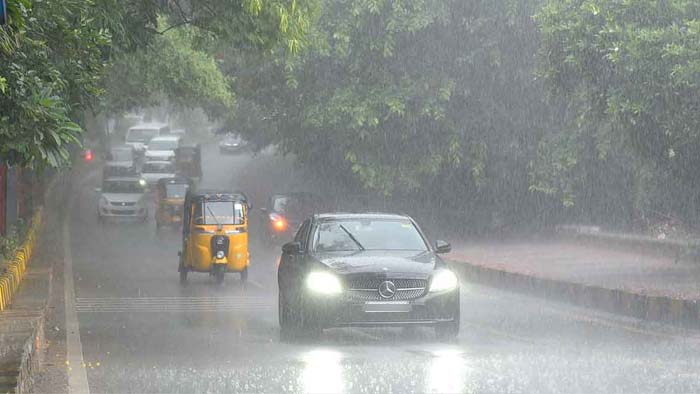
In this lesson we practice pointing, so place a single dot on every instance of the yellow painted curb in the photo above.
(14, 272)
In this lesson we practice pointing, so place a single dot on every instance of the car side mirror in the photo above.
(98, 190)
(291, 248)
(442, 247)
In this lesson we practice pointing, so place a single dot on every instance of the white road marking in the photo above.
(173, 304)
(77, 375)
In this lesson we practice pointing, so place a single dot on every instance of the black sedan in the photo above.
(365, 270)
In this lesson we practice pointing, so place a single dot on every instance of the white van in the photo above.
(140, 135)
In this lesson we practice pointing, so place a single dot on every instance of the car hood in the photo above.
(154, 176)
(160, 153)
(122, 197)
(396, 262)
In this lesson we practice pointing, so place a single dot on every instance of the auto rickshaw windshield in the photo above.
(219, 212)
(176, 190)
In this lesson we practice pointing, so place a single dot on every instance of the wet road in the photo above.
(143, 332)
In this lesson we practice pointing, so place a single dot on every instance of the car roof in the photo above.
(368, 215)
(166, 138)
(152, 125)
(123, 179)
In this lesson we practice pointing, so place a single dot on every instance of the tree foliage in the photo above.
(54, 56)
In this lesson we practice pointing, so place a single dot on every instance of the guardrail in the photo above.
(11, 276)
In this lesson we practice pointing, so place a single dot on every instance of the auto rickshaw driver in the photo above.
(215, 235)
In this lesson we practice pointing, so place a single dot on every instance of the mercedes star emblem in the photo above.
(387, 289)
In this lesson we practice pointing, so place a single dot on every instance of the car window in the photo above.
(301, 235)
(141, 135)
(122, 155)
(121, 187)
(383, 234)
(162, 145)
(158, 168)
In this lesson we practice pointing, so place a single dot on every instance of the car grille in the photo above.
(367, 289)
(123, 204)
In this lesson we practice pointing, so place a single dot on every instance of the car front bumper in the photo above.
(428, 310)
(131, 212)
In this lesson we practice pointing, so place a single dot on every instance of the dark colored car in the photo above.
(284, 213)
(188, 161)
(365, 270)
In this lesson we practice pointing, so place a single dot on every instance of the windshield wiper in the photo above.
(213, 216)
(352, 237)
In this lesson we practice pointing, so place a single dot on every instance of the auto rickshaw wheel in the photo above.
(244, 274)
(219, 276)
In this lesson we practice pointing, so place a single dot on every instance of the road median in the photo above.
(591, 272)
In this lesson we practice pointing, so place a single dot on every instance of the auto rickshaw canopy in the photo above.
(174, 188)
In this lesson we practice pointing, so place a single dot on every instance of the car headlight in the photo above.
(220, 254)
(103, 202)
(444, 280)
(323, 283)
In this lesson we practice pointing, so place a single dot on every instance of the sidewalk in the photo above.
(630, 282)
(22, 341)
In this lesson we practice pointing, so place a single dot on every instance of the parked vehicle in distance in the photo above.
(232, 143)
(140, 135)
(153, 171)
(122, 198)
(162, 148)
(365, 270)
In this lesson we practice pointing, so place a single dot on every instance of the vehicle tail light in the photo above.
(87, 155)
(279, 223)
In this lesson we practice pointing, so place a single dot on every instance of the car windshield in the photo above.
(113, 186)
(219, 212)
(162, 145)
(141, 135)
(176, 190)
(371, 234)
(115, 171)
(122, 155)
(158, 168)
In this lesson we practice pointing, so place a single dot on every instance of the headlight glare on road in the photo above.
(444, 280)
(323, 283)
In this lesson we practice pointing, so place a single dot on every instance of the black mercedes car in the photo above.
(365, 270)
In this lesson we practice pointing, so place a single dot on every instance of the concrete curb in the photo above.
(12, 276)
(681, 312)
(19, 377)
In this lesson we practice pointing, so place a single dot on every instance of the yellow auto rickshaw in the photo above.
(215, 234)
(170, 200)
